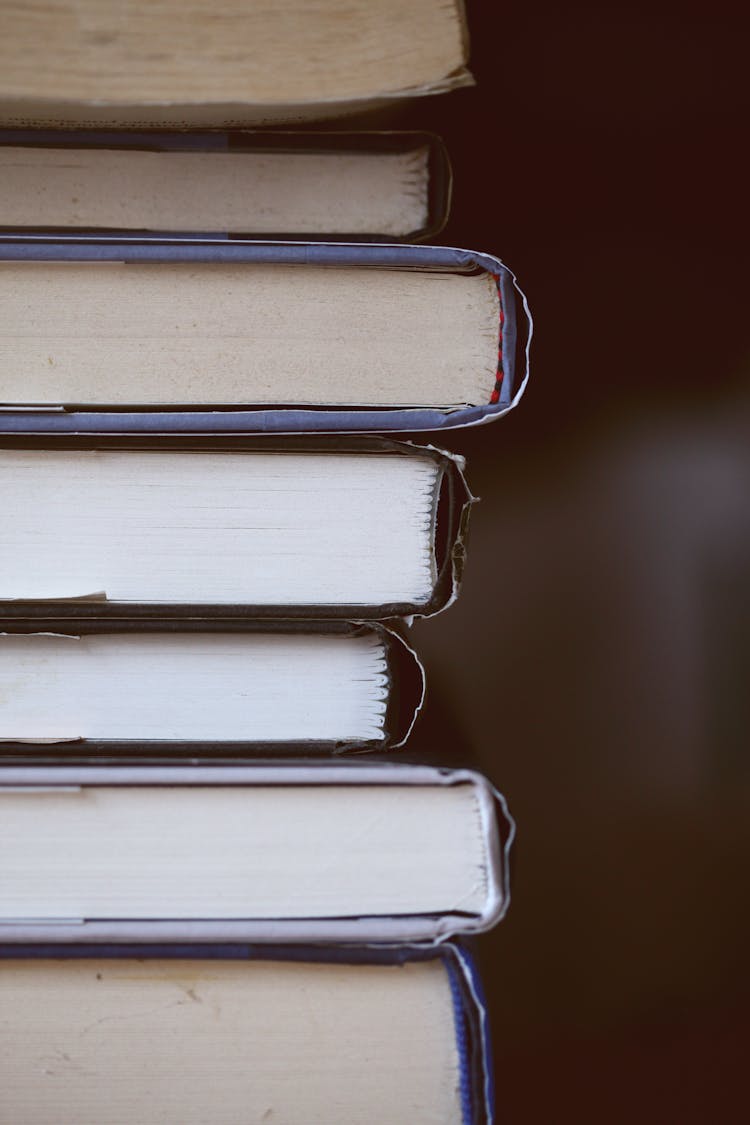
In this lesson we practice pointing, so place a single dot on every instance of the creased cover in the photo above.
(513, 353)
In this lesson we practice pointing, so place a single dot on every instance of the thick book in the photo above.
(206, 336)
(283, 852)
(351, 528)
(185, 689)
(367, 186)
(222, 63)
(303, 1037)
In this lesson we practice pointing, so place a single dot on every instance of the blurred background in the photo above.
(596, 664)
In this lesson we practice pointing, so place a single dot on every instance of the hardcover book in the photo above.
(223, 63)
(354, 528)
(183, 689)
(352, 186)
(207, 336)
(183, 1034)
(295, 852)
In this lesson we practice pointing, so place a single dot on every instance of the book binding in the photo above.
(513, 370)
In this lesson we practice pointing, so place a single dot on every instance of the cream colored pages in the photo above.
(252, 192)
(244, 528)
(120, 1042)
(110, 333)
(244, 852)
(225, 51)
(201, 686)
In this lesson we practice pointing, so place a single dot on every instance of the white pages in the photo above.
(249, 687)
(224, 528)
(286, 851)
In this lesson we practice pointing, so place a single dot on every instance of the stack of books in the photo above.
(214, 907)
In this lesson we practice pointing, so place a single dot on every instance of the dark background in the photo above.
(596, 663)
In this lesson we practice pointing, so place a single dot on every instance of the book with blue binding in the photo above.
(208, 336)
(306, 1035)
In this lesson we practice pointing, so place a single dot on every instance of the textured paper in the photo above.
(198, 1042)
(108, 333)
(136, 63)
(325, 192)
